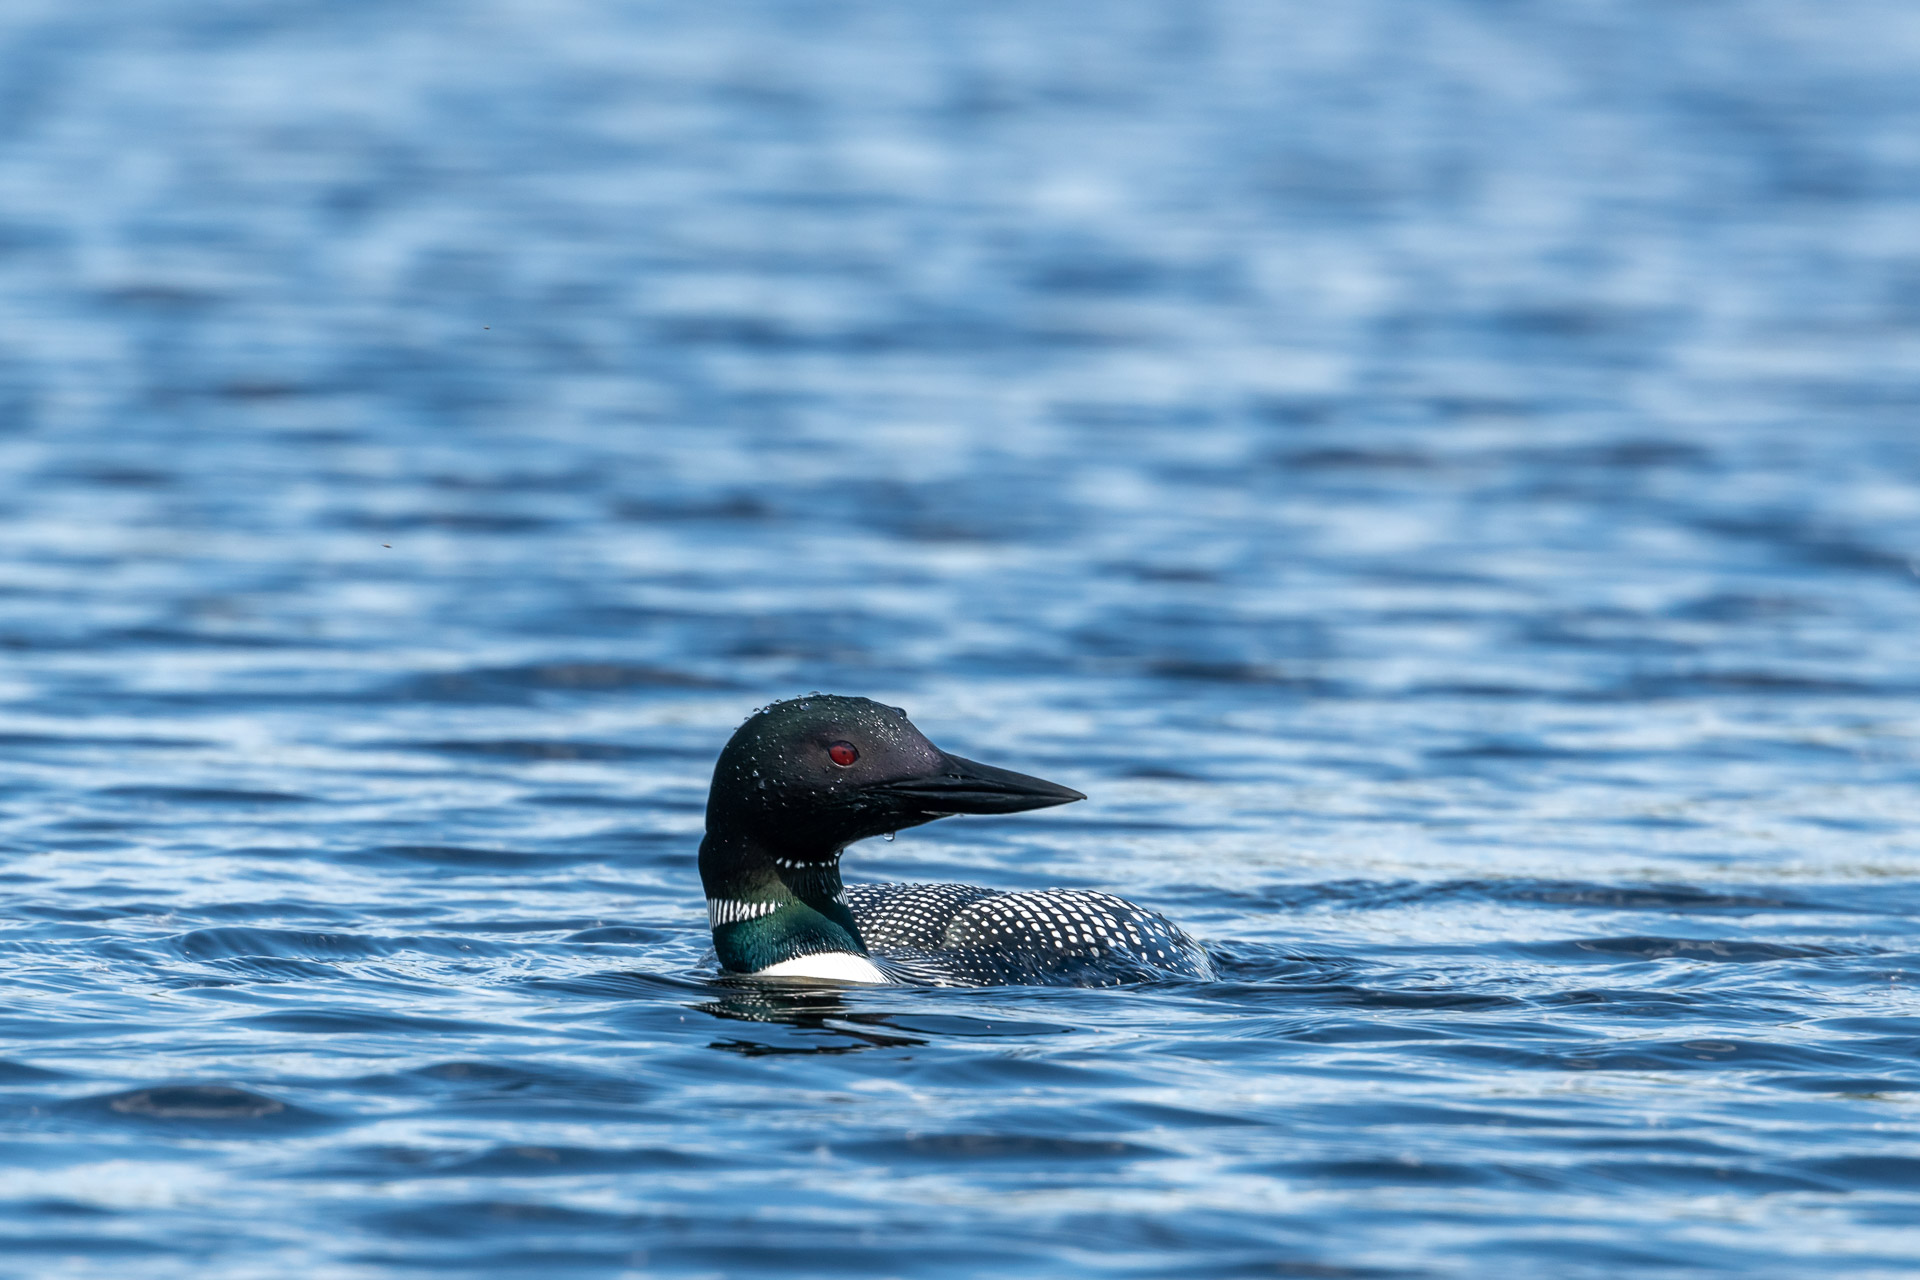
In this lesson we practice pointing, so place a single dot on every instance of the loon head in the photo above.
(805, 778)
(799, 782)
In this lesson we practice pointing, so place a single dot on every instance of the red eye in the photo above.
(843, 753)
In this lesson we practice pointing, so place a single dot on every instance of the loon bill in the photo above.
(803, 779)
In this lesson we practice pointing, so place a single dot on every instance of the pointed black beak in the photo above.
(966, 786)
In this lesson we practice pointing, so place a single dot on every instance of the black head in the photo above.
(812, 775)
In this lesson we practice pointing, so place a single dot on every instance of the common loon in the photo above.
(803, 779)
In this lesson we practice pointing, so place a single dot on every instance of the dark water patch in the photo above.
(1890, 1032)
(733, 507)
(1246, 969)
(276, 909)
(1362, 460)
(1097, 275)
(56, 1208)
(935, 1024)
(622, 934)
(1849, 1086)
(85, 915)
(1866, 1172)
(1387, 1114)
(63, 741)
(1687, 1178)
(103, 1244)
(459, 858)
(1486, 691)
(1241, 673)
(276, 969)
(507, 1085)
(1649, 687)
(1115, 416)
(492, 684)
(1153, 773)
(614, 984)
(204, 795)
(518, 926)
(784, 1246)
(1649, 1143)
(240, 942)
(397, 523)
(1736, 607)
(195, 1102)
(1678, 898)
(1632, 453)
(1368, 1032)
(511, 480)
(1699, 950)
(193, 1110)
(1158, 573)
(1659, 1056)
(763, 1048)
(1314, 983)
(996, 1149)
(1788, 534)
(1629, 1001)
(1367, 895)
(1150, 1115)
(12, 1073)
(366, 1022)
(584, 800)
(1409, 1172)
(543, 1161)
(1515, 749)
(187, 638)
(296, 945)
(1263, 1263)
(264, 389)
(467, 1220)
(110, 476)
(533, 750)
(1737, 1054)
(1119, 824)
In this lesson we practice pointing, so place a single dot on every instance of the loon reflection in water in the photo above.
(801, 780)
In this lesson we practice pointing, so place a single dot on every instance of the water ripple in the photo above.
(1442, 479)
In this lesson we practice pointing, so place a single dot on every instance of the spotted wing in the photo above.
(896, 916)
(1076, 935)
(963, 935)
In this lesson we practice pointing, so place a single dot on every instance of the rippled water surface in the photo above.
(1443, 477)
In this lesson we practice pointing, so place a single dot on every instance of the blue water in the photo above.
(1443, 476)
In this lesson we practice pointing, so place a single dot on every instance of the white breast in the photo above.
(827, 966)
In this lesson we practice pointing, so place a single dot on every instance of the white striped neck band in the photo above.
(731, 911)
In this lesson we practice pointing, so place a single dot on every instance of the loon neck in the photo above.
(766, 908)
